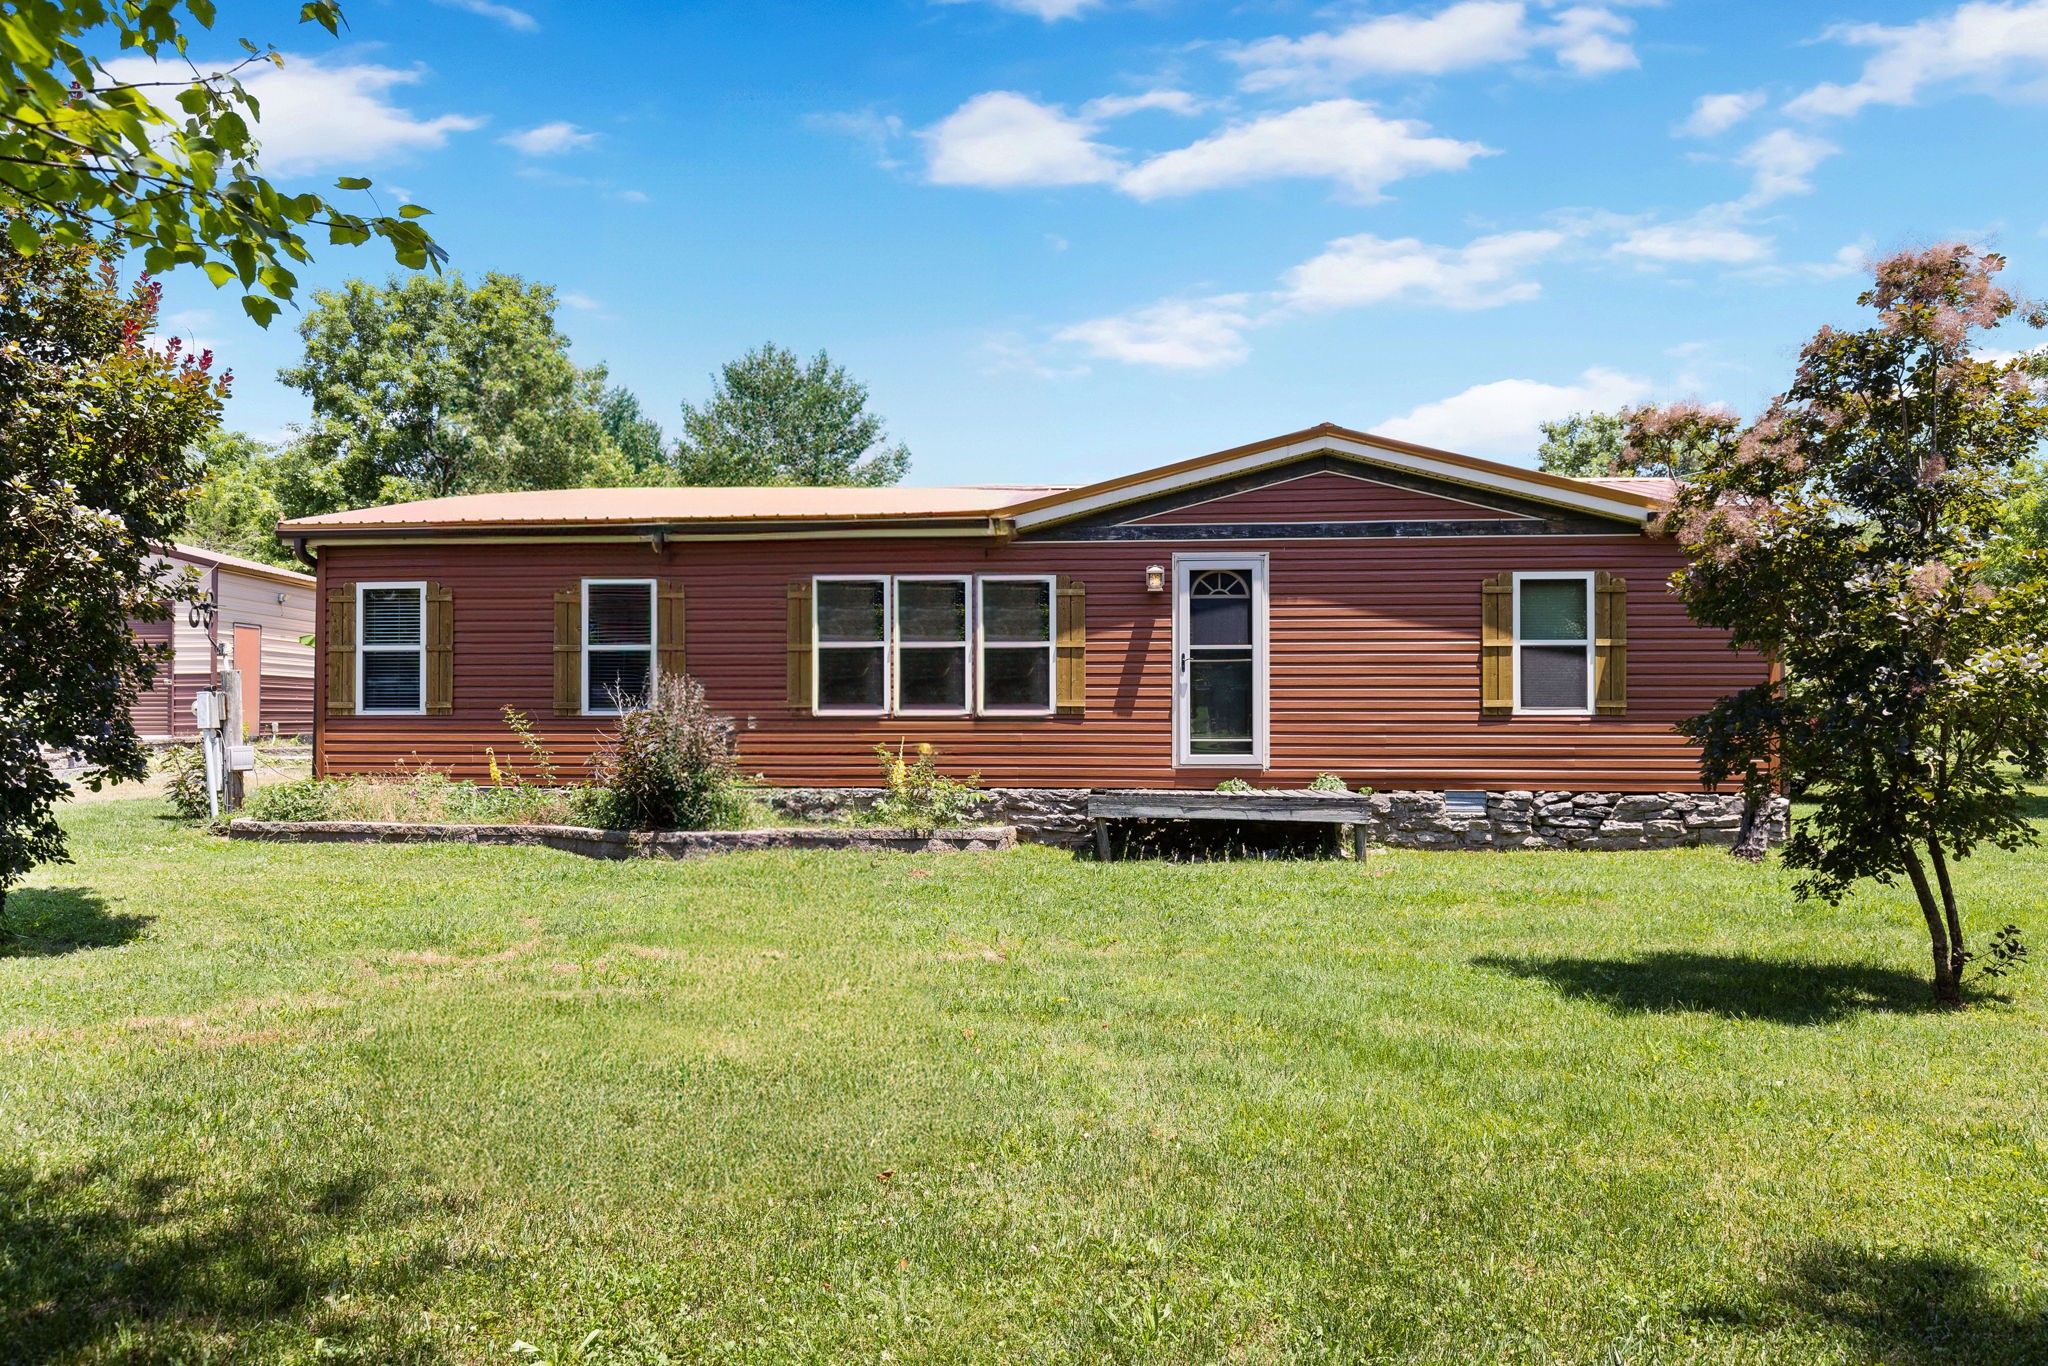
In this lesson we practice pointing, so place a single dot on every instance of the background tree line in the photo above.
(427, 386)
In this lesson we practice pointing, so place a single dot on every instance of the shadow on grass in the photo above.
(93, 1264)
(1733, 985)
(45, 922)
(1903, 1308)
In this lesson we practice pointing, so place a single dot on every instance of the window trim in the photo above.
(1258, 565)
(965, 645)
(886, 644)
(1051, 646)
(585, 647)
(1584, 577)
(364, 650)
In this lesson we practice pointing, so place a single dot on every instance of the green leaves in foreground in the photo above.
(161, 151)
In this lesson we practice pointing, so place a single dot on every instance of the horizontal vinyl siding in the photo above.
(1324, 497)
(1375, 669)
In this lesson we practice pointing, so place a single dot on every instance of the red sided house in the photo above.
(1323, 601)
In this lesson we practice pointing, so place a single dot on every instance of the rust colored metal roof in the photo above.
(644, 506)
(199, 555)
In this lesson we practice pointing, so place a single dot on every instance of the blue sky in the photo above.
(1063, 239)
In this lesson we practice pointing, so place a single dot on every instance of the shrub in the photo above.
(1235, 785)
(186, 791)
(920, 797)
(308, 799)
(673, 764)
(1328, 782)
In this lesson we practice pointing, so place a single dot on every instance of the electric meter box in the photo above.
(210, 708)
(241, 758)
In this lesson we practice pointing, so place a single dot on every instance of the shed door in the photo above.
(249, 661)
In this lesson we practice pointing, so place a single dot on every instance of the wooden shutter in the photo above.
(1497, 646)
(800, 644)
(1610, 644)
(1070, 652)
(668, 633)
(440, 649)
(341, 650)
(569, 650)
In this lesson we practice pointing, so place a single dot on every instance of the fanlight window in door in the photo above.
(1220, 665)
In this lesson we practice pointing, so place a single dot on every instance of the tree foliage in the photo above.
(1596, 445)
(169, 166)
(426, 386)
(1844, 533)
(774, 419)
(235, 507)
(637, 437)
(1584, 445)
(95, 429)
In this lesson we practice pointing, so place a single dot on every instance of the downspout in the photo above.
(300, 553)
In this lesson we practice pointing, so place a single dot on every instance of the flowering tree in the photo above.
(95, 426)
(1844, 534)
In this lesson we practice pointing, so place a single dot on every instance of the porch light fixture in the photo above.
(1155, 578)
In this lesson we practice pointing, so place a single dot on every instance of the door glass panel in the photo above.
(1220, 608)
(1220, 701)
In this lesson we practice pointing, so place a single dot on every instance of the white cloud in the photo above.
(1002, 140)
(1048, 10)
(504, 14)
(1708, 238)
(1587, 39)
(1179, 334)
(1501, 419)
(317, 116)
(875, 131)
(2002, 48)
(1780, 163)
(1116, 106)
(549, 139)
(1356, 271)
(581, 302)
(1341, 140)
(634, 196)
(1713, 115)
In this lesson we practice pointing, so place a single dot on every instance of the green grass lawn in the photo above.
(269, 1103)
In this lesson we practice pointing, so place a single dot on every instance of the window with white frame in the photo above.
(391, 648)
(618, 644)
(932, 633)
(1554, 643)
(851, 644)
(1016, 644)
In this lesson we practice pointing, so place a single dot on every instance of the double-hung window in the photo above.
(1554, 644)
(391, 649)
(618, 644)
(852, 644)
(1016, 644)
(932, 633)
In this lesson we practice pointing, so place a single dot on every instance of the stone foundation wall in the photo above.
(1408, 820)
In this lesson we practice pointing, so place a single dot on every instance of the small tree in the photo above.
(1583, 445)
(96, 427)
(1844, 534)
(772, 419)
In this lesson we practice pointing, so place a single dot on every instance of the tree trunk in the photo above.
(1958, 951)
(1753, 837)
(1947, 989)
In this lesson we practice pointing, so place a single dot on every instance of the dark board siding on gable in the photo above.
(1375, 669)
